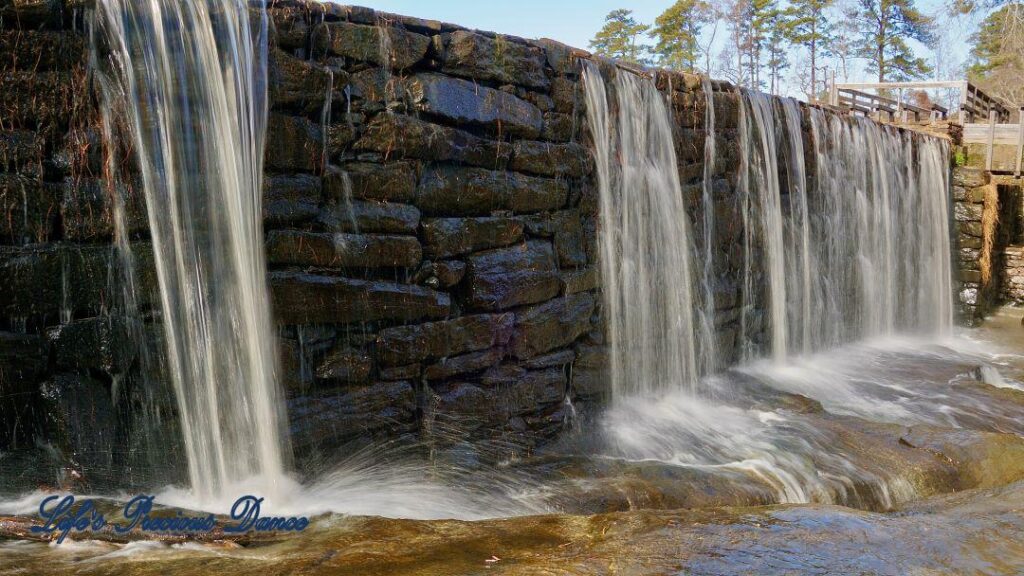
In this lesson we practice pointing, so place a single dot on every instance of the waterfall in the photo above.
(761, 191)
(192, 76)
(845, 233)
(798, 239)
(708, 338)
(880, 231)
(864, 253)
(645, 241)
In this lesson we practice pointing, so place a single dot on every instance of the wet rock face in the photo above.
(451, 190)
(431, 221)
(498, 59)
(307, 298)
(507, 277)
(364, 43)
(461, 102)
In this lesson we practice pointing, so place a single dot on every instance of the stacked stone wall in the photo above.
(431, 232)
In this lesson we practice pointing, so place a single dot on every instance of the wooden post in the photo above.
(991, 138)
(1020, 140)
(834, 93)
(963, 102)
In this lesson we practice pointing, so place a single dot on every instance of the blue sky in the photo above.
(574, 22)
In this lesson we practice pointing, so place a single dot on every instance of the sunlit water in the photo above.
(192, 77)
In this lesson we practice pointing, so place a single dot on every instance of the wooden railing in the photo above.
(993, 133)
(873, 104)
(974, 102)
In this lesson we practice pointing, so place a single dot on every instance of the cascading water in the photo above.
(798, 239)
(192, 75)
(763, 214)
(708, 339)
(865, 252)
(845, 233)
(645, 244)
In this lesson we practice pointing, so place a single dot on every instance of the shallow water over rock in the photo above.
(784, 473)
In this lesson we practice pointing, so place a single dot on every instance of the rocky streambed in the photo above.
(924, 476)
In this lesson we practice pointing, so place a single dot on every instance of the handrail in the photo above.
(974, 102)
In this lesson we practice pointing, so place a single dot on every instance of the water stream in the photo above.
(846, 255)
(192, 76)
(645, 243)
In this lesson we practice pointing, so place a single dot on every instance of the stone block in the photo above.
(463, 364)
(20, 148)
(301, 298)
(371, 216)
(474, 55)
(964, 212)
(464, 103)
(566, 94)
(408, 137)
(549, 159)
(290, 199)
(340, 250)
(345, 364)
(45, 281)
(556, 358)
(461, 406)
(289, 26)
(507, 277)
(45, 102)
(29, 210)
(383, 407)
(81, 420)
(582, 280)
(88, 214)
(447, 237)
(392, 182)
(591, 372)
(398, 48)
(296, 144)
(41, 50)
(551, 325)
(456, 191)
(524, 391)
(558, 127)
(300, 85)
(410, 344)
(101, 343)
(970, 177)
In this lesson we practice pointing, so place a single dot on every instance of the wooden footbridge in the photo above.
(986, 120)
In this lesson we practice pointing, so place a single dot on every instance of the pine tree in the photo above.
(737, 17)
(761, 16)
(780, 29)
(676, 31)
(619, 38)
(886, 25)
(997, 54)
(809, 26)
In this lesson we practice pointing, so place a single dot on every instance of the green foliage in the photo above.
(959, 158)
(992, 49)
(676, 31)
(780, 30)
(886, 25)
(763, 16)
(809, 26)
(997, 54)
(619, 38)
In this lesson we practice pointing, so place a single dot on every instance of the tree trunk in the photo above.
(814, 61)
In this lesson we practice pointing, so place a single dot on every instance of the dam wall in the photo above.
(431, 218)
